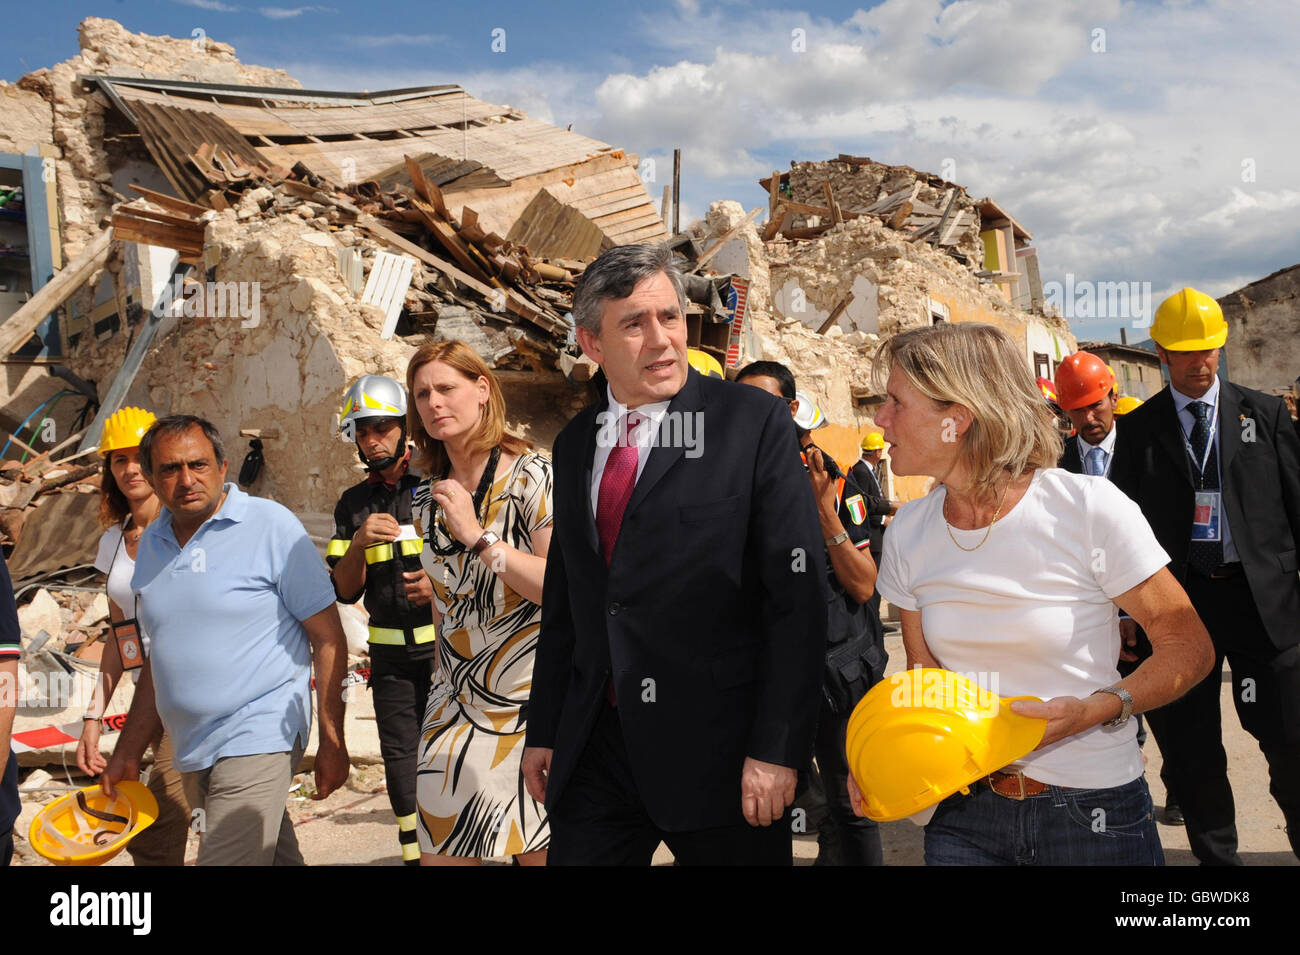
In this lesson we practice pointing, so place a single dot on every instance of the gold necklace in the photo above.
(988, 530)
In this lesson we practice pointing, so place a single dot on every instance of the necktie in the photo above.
(1205, 556)
(1097, 461)
(616, 484)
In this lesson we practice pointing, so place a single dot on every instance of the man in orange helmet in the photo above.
(1085, 391)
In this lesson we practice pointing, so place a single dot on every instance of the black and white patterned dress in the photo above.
(470, 792)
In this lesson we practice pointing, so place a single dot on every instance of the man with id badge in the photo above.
(1216, 471)
(375, 555)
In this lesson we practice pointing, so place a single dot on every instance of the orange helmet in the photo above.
(1082, 379)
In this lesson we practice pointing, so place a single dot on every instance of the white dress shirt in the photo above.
(608, 431)
(1188, 421)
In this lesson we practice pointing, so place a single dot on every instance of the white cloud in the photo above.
(214, 5)
(1125, 164)
(286, 13)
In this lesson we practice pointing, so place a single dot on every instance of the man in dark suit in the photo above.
(678, 670)
(867, 473)
(1216, 471)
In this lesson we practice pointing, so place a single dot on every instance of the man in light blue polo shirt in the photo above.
(239, 605)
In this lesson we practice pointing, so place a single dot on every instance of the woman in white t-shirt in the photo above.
(1010, 572)
(127, 506)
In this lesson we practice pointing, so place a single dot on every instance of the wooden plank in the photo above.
(19, 326)
(445, 234)
(146, 214)
(169, 202)
(835, 314)
(773, 194)
(831, 204)
(726, 237)
(941, 229)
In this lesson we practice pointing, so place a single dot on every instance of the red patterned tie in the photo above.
(616, 484)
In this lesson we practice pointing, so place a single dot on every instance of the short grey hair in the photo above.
(614, 275)
(178, 424)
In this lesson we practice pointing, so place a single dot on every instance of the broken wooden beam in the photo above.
(19, 327)
(835, 314)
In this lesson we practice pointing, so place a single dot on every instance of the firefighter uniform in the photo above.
(402, 647)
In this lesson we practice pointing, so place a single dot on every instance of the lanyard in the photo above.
(1209, 443)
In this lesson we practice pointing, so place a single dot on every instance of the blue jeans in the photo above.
(1059, 827)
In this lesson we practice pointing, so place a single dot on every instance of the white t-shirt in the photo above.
(1029, 613)
(112, 559)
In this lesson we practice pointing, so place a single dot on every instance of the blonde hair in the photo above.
(430, 456)
(977, 366)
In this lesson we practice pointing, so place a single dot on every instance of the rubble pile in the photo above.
(813, 197)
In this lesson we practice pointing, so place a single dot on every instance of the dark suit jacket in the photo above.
(711, 616)
(1261, 492)
(1070, 457)
(877, 504)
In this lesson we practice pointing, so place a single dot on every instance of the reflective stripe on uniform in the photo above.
(406, 823)
(410, 851)
(338, 547)
(378, 553)
(397, 638)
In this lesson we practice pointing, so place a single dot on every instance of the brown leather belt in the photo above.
(1015, 786)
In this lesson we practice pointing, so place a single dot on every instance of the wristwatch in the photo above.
(483, 543)
(839, 538)
(1125, 698)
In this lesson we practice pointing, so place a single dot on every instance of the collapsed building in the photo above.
(208, 237)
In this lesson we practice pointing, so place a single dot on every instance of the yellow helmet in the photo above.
(1189, 321)
(873, 441)
(1126, 404)
(124, 429)
(924, 734)
(704, 363)
(87, 828)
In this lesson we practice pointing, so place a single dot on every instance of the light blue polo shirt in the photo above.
(231, 660)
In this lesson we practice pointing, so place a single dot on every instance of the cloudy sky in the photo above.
(1139, 142)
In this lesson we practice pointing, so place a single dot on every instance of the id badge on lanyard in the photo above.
(1205, 516)
(1207, 508)
(127, 634)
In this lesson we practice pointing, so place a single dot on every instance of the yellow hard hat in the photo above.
(1189, 321)
(124, 429)
(873, 441)
(87, 828)
(704, 363)
(1126, 404)
(924, 734)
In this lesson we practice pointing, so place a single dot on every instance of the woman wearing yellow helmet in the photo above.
(127, 506)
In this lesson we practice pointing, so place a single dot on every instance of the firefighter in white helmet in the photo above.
(375, 556)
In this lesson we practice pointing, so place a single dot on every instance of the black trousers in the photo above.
(399, 682)
(1266, 693)
(600, 820)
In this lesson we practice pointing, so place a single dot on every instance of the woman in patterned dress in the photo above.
(485, 514)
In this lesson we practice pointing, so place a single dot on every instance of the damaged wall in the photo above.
(78, 116)
(287, 371)
(1263, 347)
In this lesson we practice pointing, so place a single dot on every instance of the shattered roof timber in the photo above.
(351, 137)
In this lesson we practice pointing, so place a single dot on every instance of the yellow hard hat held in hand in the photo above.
(926, 733)
(88, 828)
